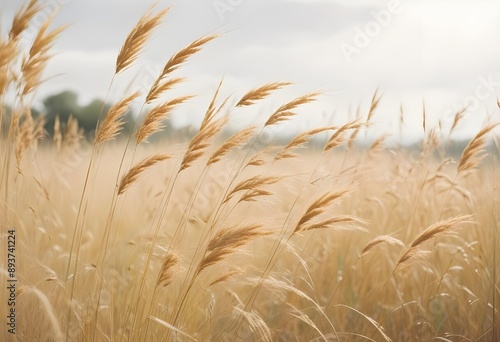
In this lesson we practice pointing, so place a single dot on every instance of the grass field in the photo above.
(233, 239)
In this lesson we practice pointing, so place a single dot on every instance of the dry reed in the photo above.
(131, 176)
(137, 38)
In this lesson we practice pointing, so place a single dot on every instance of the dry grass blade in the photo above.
(57, 136)
(201, 141)
(338, 138)
(234, 141)
(27, 135)
(284, 112)
(424, 117)
(458, 117)
(473, 152)
(333, 223)
(298, 141)
(252, 195)
(318, 207)
(440, 228)
(153, 122)
(227, 241)
(437, 229)
(225, 277)
(260, 93)
(171, 327)
(35, 63)
(22, 19)
(43, 40)
(212, 109)
(381, 239)
(373, 105)
(8, 52)
(137, 38)
(136, 170)
(259, 158)
(166, 272)
(378, 144)
(251, 184)
(113, 123)
(256, 324)
(180, 57)
(159, 88)
(72, 134)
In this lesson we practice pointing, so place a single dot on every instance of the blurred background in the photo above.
(439, 53)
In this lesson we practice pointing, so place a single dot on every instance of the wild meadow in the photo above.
(232, 237)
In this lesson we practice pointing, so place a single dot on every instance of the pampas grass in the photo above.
(219, 238)
(113, 123)
(137, 38)
(133, 174)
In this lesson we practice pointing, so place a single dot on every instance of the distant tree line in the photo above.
(65, 104)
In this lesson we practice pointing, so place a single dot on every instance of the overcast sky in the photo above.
(443, 52)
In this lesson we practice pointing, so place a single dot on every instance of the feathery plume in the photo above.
(137, 38)
(212, 109)
(22, 19)
(234, 141)
(284, 112)
(132, 175)
(474, 151)
(158, 89)
(201, 141)
(180, 57)
(318, 207)
(33, 66)
(337, 138)
(381, 239)
(298, 141)
(260, 93)
(166, 273)
(227, 241)
(252, 184)
(153, 122)
(437, 229)
(113, 123)
(373, 105)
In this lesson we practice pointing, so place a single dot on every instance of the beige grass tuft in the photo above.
(113, 123)
(251, 185)
(34, 64)
(159, 88)
(260, 93)
(23, 18)
(153, 121)
(379, 240)
(166, 273)
(318, 207)
(474, 151)
(137, 169)
(227, 241)
(137, 38)
(338, 138)
(437, 229)
(298, 141)
(285, 112)
(200, 142)
(161, 85)
(239, 138)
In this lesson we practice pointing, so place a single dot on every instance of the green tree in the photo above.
(65, 104)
